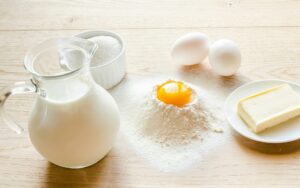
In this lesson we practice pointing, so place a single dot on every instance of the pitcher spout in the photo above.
(87, 45)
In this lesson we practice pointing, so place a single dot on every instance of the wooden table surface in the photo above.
(267, 31)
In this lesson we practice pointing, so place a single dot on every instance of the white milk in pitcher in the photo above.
(72, 126)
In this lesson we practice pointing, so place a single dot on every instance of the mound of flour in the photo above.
(169, 137)
(171, 126)
(163, 142)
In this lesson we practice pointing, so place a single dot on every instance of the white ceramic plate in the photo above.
(285, 132)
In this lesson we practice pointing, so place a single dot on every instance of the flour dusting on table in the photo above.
(169, 137)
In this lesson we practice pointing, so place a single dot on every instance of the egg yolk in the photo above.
(174, 92)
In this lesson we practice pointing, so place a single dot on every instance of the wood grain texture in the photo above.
(268, 33)
(90, 14)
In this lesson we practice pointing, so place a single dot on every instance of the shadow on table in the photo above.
(98, 175)
(279, 149)
(202, 75)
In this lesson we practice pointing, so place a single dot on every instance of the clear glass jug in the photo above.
(74, 122)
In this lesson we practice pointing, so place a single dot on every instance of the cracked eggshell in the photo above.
(190, 49)
(225, 57)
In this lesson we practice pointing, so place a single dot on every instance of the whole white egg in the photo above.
(190, 49)
(225, 57)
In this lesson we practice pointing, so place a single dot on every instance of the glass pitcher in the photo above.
(74, 122)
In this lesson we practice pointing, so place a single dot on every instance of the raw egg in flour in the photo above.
(173, 114)
(175, 93)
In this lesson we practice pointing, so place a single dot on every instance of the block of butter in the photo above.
(270, 107)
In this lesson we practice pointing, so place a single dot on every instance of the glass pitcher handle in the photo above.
(16, 88)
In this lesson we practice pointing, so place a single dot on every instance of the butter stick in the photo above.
(270, 107)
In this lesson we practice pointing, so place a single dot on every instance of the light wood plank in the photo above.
(92, 14)
(266, 52)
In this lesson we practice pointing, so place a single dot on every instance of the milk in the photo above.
(72, 126)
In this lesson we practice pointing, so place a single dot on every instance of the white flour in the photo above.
(170, 138)
(108, 49)
(171, 126)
